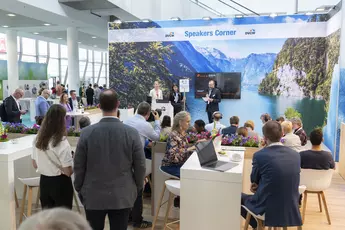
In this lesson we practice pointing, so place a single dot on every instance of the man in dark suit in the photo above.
(73, 100)
(232, 129)
(89, 95)
(275, 180)
(213, 99)
(11, 111)
(109, 167)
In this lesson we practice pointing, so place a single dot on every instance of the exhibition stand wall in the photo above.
(285, 62)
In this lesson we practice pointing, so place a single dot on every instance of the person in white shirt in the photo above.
(156, 93)
(215, 125)
(290, 139)
(52, 158)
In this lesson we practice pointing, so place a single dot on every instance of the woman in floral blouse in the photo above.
(178, 149)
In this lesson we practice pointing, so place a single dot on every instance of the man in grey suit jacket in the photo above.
(109, 167)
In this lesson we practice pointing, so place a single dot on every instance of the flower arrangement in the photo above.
(193, 137)
(90, 107)
(3, 134)
(163, 138)
(239, 140)
(20, 128)
(72, 133)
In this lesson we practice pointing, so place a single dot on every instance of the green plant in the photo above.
(292, 113)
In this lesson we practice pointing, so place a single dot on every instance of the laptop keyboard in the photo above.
(216, 164)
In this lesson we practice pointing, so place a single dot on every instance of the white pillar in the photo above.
(12, 60)
(73, 78)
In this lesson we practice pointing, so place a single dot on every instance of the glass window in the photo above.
(63, 49)
(90, 55)
(102, 81)
(98, 56)
(29, 46)
(82, 65)
(53, 68)
(64, 64)
(3, 56)
(82, 54)
(97, 67)
(42, 48)
(26, 58)
(53, 50)
(42, 60)
(18, 44)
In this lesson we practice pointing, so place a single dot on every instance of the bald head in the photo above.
(18, 93)
(45, 93)
(272, 131)
(287, 127)
(109, 101)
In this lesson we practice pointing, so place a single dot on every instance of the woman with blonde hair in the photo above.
(178, 149)
(249, 125)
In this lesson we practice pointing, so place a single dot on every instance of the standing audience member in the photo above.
(316, 158)
(89, 95)
(156, 93)
(64, 102)
(97, 92)
(215, 125)
(11, 109)
(280, 119)
(232, 129)
(52, 158)
(213, 99)
(275, 180)
(109, 167)
(242, 131)
(42, 106)
(84, 122)
(178, 150)
(199, 126)
(55, 219)
(145, 129)
(289, 139)
(73, 100)
(299, 131)
(265, 118)
(176, 99)
(249, 125)
(166, 126)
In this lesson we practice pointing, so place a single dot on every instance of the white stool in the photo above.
(29, 183)
(260, 219)
(173, 186)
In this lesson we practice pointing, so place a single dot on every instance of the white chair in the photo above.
(260, 219)
(316, 182)
(172, 191)
(148, 172)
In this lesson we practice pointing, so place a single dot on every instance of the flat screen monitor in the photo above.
(229, 84)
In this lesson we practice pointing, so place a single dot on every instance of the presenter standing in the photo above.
(213, 98)
(156, 93)
(176, 99)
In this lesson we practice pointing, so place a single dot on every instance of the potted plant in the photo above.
(3, 137)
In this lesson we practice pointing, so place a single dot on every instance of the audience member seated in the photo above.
(289, 139)
(199, 126)
(299, 131)
(265, 118)
(232, 129)
(275, 180)
(56, 218)
(178, 150)
(41, 105)
(242, 131)
(316, 158)
(139, 122)
(84, 122)
(249, 125)
(65, 104)
(280, 119)
(73, 100)
(166, 126)
(215, 125)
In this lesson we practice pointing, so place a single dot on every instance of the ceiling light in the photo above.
(11, 15)
(79, 42)
(36, 33)
(95, 46)
(146, 20)
(175, 19)
(309, 13)
(118, 21)
(94, 37)
(273, 15)
(46, 24)
(206, 18)
(59, 38)
(320, 9)
(5, 26)
(239, 16)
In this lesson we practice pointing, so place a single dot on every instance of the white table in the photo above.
(77, 115)
(8, 155)
(210, 199)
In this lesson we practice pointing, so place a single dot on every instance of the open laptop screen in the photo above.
(206, 152)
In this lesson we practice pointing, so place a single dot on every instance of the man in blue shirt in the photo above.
(42, 106)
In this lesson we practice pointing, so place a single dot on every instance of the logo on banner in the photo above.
(250, 32)
(170, 35)
(2, 45)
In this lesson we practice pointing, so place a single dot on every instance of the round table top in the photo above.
(77, 113)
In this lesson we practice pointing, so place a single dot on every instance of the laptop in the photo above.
(208, 157)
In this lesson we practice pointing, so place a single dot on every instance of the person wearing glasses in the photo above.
(11, 109)
(42, 105)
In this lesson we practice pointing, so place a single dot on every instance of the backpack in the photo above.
(3, 114)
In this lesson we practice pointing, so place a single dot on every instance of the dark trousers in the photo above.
(56, 191)
(118, 219)
(172, 170)
(137, 211)
(244, 212)
(209, 115)
(89, 100)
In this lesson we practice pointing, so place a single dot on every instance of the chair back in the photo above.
(316, 180)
